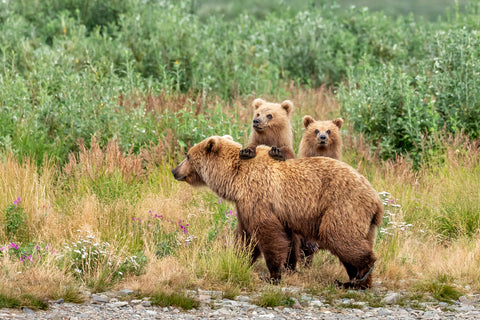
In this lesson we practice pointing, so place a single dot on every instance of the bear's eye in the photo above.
(188, 157)
(316, 131)
(328, 131)
(258, 115)
(269, 116)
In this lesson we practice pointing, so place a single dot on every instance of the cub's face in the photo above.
(323, 133)
(270, 115)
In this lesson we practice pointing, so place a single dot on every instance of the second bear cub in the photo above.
(321, 138)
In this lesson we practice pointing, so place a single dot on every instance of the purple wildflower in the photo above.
(14, 246)
(16, 202)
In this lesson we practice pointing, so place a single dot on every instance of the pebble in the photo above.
(111, 306)
(391, 298)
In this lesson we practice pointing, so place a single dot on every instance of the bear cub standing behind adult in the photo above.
(321, 138)
(271, 127)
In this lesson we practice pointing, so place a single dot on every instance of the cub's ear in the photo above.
(228, 137)
(287, 105)
(212, 145)
(307, 120)
(338, 122)
(257, 103)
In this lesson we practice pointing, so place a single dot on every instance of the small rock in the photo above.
(60, 301)
(117, 304)
(205, 298)
(152, 312)
(391, 298)
(125, 292)
(243, 298)
(465, 300)
(113, 300)
(136, 301)
(296, 304)
(99, 299)
(27, 310)
(316, 303)
(146, 304)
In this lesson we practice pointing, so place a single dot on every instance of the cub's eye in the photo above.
(188, 157)
(258, 115)
(328, 132)
(316, 131)
(269, 116)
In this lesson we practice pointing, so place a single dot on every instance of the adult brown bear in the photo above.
(323, 200)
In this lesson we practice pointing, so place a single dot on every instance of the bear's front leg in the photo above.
(248, 153)
(276, 154)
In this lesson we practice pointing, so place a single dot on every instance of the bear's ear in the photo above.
(228, 137)
(287, 105)
(257, 103)
(338, 122)
(212, 145)
(307, 120)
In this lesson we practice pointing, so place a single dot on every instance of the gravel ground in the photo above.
(117, 306)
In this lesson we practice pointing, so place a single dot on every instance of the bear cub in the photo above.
(321, 138)
(271, 127)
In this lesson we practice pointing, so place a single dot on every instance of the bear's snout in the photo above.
(178, 176)
(322, 138)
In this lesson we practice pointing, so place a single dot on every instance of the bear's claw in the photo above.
(247, 153)
(276, 154)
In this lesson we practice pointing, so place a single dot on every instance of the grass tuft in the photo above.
(441, 288)
(274, 297)
(177, 299)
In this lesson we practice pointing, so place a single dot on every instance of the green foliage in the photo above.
(441, 288)
(72, 69)
(177, 299)
(274, 297)
(7, 301)
(16, 222)
(97, 265)
(25, 300)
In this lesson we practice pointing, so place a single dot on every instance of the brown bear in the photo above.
(323, 200)
(321, 138)
(271, 127)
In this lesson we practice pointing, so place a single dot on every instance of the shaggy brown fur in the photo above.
(321, 138)
(323, 200)
(271, 127)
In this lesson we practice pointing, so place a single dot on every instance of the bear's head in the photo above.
(269, 115)
(206, 160)
(324, 133)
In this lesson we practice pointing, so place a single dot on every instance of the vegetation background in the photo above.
(100, 99)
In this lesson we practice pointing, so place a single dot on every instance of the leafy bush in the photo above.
(72, 70)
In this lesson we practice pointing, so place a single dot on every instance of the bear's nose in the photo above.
(256, 121)
(323, 137)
